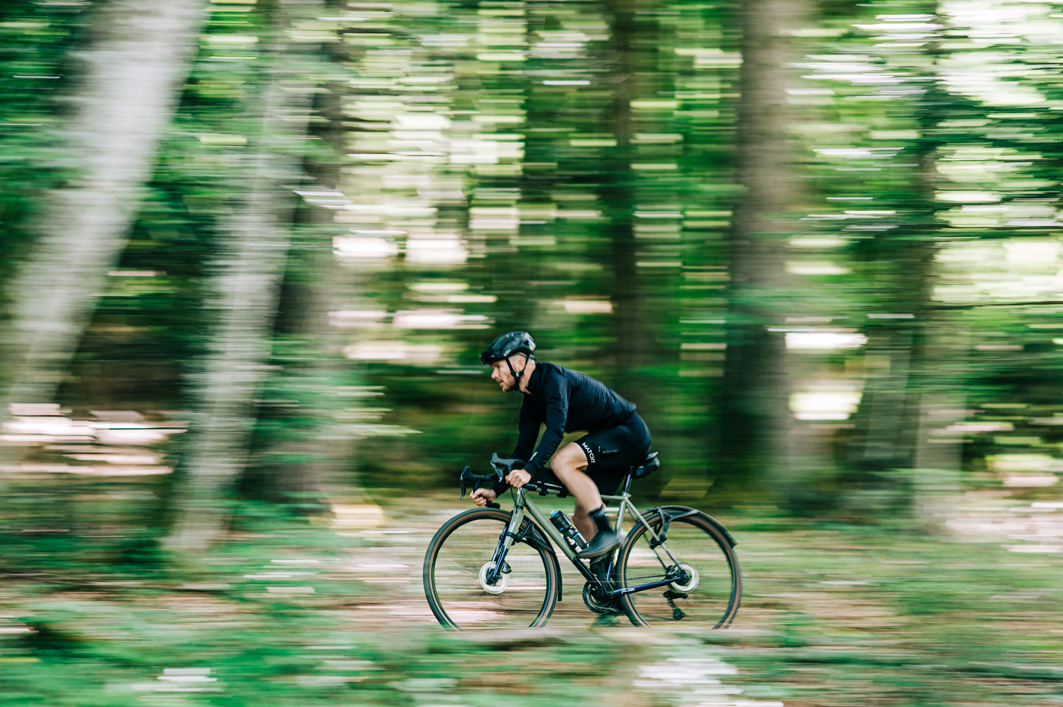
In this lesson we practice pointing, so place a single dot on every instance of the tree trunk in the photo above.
(639, 328)
(133, 71)
(618, 195)
(246, 277)
(303, 452)
(754, 411)
(892, 414)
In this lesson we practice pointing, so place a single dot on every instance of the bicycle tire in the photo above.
(459, 597)
(696, 541)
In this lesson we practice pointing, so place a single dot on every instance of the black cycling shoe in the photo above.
(600, 544)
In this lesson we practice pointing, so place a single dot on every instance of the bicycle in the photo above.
(490, 568)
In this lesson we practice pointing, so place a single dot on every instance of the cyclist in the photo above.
(567, 401)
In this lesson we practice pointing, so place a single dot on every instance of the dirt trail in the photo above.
(393, 553)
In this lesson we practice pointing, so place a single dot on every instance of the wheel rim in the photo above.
(456, 579)
(709, 596)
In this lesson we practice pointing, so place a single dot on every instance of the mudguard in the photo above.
(670, 513)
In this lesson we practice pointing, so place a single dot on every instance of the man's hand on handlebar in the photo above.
(517, 478)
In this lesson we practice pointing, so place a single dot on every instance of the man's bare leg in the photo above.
(569, 466)
(581, 518)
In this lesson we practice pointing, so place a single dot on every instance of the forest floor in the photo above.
(332, 612)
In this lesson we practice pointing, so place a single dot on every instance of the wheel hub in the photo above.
(499, 586)
(692, 580)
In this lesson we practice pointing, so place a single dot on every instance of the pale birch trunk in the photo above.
(246, 277)
(133, 72)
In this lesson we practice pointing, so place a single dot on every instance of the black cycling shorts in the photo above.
(612, 451)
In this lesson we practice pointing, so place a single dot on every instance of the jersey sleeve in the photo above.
(556, 394)
(528, 427)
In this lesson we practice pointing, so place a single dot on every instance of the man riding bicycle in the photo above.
(567, 401)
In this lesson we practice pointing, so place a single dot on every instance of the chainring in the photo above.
(598, 604)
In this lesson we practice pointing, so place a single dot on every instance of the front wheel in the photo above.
(464, 591)
(697, 553)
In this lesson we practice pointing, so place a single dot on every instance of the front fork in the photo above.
(505, 541)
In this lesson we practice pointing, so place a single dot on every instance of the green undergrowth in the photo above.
(272, 616)
(279, 615)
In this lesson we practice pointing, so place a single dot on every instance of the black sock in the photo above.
(601, 520)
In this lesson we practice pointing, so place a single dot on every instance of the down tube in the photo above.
(548, 528)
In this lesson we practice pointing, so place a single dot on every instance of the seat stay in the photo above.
(671, 566)
(626, 505)
(658, 541)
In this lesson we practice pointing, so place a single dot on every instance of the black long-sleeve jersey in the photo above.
(565, 401)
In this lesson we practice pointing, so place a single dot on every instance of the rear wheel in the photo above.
(708, 581)
(464, 592)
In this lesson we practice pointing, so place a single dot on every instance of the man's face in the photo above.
(500, 374)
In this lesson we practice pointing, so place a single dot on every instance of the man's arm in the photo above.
(556, 393)
(529, 430)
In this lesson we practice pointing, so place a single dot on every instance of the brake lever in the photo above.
(464, 478)
(502, 466)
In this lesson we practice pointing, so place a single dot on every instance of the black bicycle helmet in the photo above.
(508, 344)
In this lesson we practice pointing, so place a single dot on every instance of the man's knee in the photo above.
(569, 460)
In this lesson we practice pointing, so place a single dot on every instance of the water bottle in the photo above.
(568, 531)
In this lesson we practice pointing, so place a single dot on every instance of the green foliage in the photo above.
(36, 47)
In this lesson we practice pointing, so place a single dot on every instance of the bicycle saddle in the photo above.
(646, 467)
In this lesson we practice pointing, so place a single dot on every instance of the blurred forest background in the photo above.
(251, 250)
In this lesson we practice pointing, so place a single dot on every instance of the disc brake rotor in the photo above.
(496, 588)
(692, 580)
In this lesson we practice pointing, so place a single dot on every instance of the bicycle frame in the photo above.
(523, 506)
